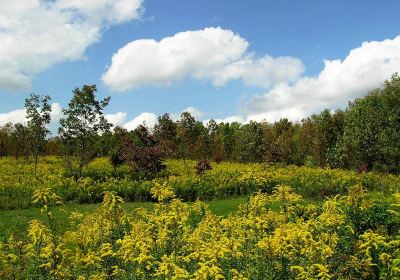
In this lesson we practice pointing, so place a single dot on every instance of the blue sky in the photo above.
(309, 32)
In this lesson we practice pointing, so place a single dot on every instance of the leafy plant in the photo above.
(202, 166)
(38, 112)
(83, 121)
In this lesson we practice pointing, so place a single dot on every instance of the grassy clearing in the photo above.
(16, 221)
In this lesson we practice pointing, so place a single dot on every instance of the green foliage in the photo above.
(142, 153)
(350, 231)
(364, 136)
(372, 129)
(225, 180)
(38, 112)
(165, 133)
(82, 123)
(174, 240)
(202, 166)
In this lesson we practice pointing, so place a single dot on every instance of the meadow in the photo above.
(236, 221)
(225, 180)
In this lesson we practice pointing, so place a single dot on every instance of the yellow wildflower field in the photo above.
(180, 241)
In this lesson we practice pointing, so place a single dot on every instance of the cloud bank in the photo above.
(220, 56)
(36, 34)
(214, 54)
(146, 118)
(19, 115)
(340, 81)
(117, 119)
(150, 119)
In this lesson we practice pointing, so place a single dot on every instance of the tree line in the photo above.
(364, 136)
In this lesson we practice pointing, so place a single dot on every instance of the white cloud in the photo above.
(102, 11)
(365, 68)
(16, 116)
(19, 115)
(195, 112)
(36, 34)
(117, 119)
(148, 119)
(264, 71)
(212, 54)
(230, 119)
(56, 113)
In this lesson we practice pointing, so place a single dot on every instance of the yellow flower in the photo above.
(162, 192)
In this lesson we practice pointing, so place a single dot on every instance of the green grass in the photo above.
(16, 221)
(224, 207)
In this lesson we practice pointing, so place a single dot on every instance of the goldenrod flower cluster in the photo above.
(18, 181)
(176, 240)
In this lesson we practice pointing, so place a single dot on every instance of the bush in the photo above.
(202, 166)
(116, 159)
(143, 154)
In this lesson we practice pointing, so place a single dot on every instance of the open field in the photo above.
(18, 181)
(257, 221)
(199, 140)
(17, 220)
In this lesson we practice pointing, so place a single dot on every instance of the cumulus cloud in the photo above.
(229, 119)
(16, 116)
(212, 54)
(117, 119)
(102, 11)
(195, 112)
(146, 118)
(36, 34)
(19, 115)
(150, 119)
(364, 68)
(56, 113)
(264, 71)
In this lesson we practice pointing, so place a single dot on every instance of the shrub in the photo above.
(116, 159)
(143, 154)
(202, 166)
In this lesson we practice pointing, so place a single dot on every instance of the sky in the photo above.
(221, 59)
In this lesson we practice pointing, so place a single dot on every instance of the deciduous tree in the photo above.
(80, 127)
(38, 111)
